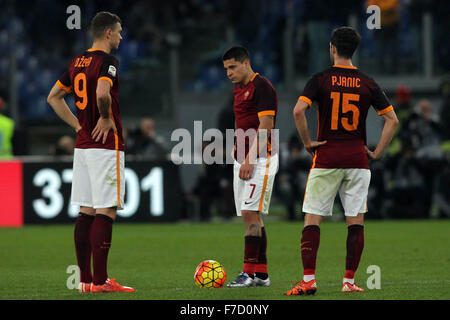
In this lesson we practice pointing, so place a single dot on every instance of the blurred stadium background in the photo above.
(172, 74)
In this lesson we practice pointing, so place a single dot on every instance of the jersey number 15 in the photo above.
(346, 108)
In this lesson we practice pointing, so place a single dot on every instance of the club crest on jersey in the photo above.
(246, 94)
(112, 71)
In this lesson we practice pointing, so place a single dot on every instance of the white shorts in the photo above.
(98, 178)
(254, 194)
(323, 185)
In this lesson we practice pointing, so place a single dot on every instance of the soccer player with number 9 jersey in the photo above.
(98, 184)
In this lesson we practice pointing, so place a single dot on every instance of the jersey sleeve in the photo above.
(108, 70)
(310, 91)
(64, 82)
(266, 99)
(379, 100)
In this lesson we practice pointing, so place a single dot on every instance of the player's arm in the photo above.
(56, 100)
(302, 127)
(384, 109)
(259, 144)
(264, 130)
(105, 122)
(103, 98)
(390, 125)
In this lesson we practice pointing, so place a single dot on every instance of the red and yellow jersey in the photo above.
(344, 96)
(81, 79)
(256, 99)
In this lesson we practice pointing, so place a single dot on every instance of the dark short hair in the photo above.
(102, 21)
(346, 40)
(239, 53)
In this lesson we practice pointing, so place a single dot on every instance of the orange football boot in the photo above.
(303, 288)
(348, 287)
(110, 286)
(84, 287)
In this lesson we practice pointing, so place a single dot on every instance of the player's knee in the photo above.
(87, 210)
(250, 217)
(110, 212)
(312, 219)
(359, 219)
(252, 223)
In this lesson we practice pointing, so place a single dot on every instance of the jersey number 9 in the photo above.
(80, 90)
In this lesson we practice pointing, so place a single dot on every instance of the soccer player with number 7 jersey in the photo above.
(343, 96)
(255, 160)
(98, 184)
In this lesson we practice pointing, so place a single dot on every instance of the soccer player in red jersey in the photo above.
(255, 160)
(340, 157)
(98, 184)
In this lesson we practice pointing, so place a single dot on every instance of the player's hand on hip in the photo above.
(246, 171)
(311, 148)
(77, 127)
(370, 154)
(102, 128)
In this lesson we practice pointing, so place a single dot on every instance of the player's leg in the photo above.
(261, 274)
(309, 245)
(355, 246)
(106, 171)
(320, 191)
(353, 195)
(82, 232)
(81, 196)
(254, 272)
(243, 279)
(252, 241)
(247, 195)
(265, 177)
(101, 236)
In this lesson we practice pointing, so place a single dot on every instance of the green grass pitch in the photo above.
(159, 260)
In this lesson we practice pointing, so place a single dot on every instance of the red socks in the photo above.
(251, 254)
(255, 258)
(309, 246)
(261, 266)
(101, 234)
(83, 245)
(355, 246)
(92, 236)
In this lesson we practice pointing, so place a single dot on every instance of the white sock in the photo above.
(308, 277)
(351, 281)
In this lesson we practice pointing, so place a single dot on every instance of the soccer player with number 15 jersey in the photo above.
(340, 156)
(98, 184)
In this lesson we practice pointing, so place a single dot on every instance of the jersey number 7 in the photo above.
(346, 107)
